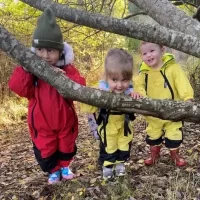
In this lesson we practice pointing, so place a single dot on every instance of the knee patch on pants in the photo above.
(46, 164)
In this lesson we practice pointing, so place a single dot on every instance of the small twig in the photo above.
(91, 35)
(134, 14)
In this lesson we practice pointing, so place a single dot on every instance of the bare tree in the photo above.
(159, 108)
(169, 16)
(154, 33)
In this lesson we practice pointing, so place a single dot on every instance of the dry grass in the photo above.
(13, 111)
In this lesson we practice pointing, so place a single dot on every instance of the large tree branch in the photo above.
(167, 14)
(152, 33)
(171, 110)
(182, 2)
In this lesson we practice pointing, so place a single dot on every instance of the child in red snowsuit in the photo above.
(52, 120)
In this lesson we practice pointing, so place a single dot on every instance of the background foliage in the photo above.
(89, 45)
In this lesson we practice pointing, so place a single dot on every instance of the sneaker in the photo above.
(107, 172)
(66, 173)
(120, 169)
(54, 177)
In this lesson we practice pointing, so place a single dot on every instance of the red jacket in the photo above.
(47, 109)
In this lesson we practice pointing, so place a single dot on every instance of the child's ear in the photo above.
(163, 49)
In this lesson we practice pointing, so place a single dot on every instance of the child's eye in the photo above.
(114, 80)
(144, 54)
(50, 50)
(39, 49)
(152, 50)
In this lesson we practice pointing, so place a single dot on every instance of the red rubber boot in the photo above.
(155, 154)
(179, 162)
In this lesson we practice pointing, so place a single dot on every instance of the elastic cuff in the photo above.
(57, 168)
(154, 142)
(172, 144)
(109, 166)
(171, 149)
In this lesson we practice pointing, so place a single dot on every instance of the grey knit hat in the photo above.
(47, 33)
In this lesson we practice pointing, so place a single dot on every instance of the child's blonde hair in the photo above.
(118, 61)
(144, 42)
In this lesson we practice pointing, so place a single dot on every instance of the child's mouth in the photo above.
(151, 60)
(119, 91)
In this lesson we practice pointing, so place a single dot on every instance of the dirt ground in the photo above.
(21, 177)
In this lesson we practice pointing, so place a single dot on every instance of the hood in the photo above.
(167, 58)
(68, 55)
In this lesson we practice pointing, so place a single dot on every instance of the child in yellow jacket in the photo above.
(114, 129)
(160, 77)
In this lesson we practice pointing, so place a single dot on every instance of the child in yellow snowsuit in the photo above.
(160, 77)
(114, 128)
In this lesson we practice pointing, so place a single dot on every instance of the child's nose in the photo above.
(148, 54)
(119, 83)
(44, 54)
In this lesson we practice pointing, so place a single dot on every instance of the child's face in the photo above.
(51, 56)
(152, 55)
(118, 84)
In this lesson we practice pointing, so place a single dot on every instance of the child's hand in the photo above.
(25, 69)
(58, 69)
(135, 95)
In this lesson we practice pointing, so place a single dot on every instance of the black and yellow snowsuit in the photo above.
(115, 133)
(168, 82)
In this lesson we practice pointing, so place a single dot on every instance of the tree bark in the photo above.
(152, 33)
(163, 109)
(166, 14)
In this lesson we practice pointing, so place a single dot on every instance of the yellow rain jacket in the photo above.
(168, 82)
(115, 145)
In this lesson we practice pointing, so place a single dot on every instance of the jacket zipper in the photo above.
(32, 120)
(73, 113)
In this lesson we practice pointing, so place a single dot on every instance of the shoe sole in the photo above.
(53, 182)
(108, 177)
(120, 174)
(69, 177)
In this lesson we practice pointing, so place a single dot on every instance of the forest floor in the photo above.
(21, 177)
